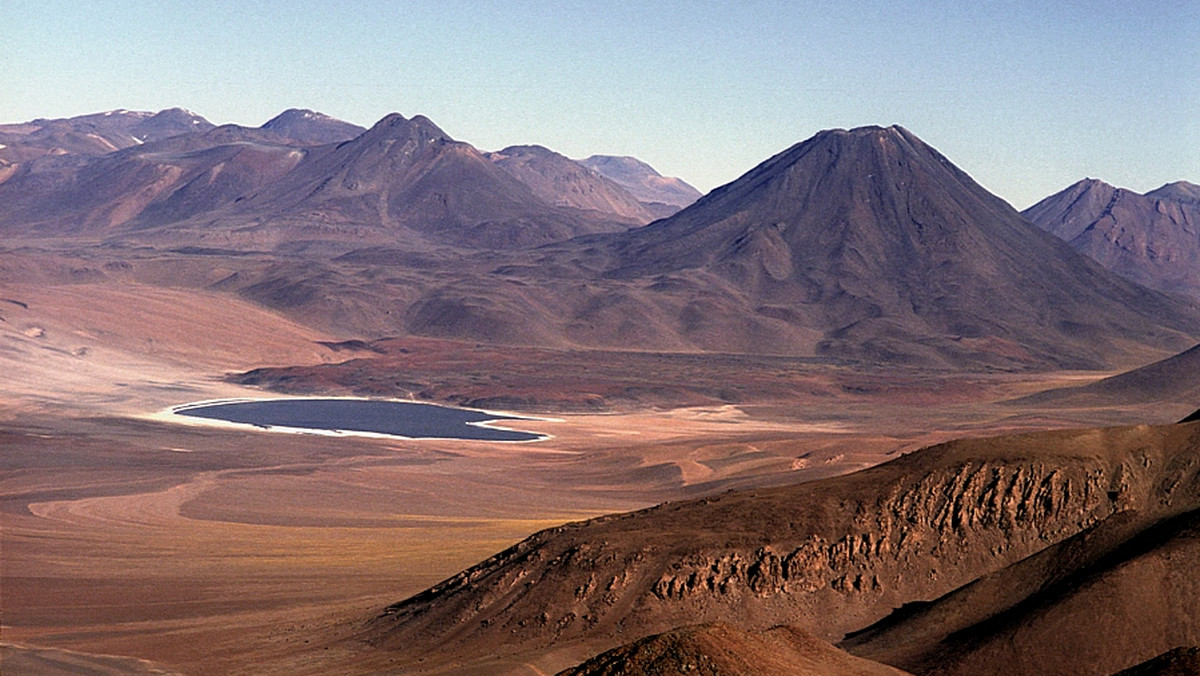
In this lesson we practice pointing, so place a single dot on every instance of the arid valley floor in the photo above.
(137, 545)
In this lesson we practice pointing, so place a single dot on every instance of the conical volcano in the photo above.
(878, 243)
(309, 126)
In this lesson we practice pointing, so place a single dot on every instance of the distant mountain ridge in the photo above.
(1153, 239)
(862, 244)
(642, 180)
(184, 181)
(407, 182)
(562, 181)
(95, 134)
(155, 182)
(308, 126)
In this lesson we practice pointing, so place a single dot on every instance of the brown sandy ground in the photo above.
(204, 550)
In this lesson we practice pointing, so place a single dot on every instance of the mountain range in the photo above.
(301, 175)
(863, 244)
(1153, 239)
(94, 134)
(870, 244)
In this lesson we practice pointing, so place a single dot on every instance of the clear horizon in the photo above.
(1025, 98)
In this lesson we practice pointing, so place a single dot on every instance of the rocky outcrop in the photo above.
(831, 556)
(945, 516)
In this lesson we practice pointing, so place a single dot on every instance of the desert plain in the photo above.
(133, 543)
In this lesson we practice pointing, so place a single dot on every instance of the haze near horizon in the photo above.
(1027, 97)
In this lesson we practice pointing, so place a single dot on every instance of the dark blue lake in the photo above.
(398, 418)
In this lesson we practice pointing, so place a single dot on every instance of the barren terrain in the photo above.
(714, 376)
(145, 544)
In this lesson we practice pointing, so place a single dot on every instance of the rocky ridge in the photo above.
(831, 557)
(643, 181)
(1153, 239)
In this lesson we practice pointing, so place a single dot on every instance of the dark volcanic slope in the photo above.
(878, 244)
(1128, 583)
(1123, 579)
(643, 181)
(837, 555)
(562, 181)
(721, 650)
(1153, 239)
(311, 127)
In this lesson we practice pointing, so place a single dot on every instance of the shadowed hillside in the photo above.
(1069, 523)
(1174, 380)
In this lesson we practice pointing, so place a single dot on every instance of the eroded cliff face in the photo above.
(949, 516)
(831, 556)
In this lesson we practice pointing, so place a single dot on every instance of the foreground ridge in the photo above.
(831, 557)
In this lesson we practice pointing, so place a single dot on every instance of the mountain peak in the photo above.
(874, 130)
(1147, 238)
(301, 112)
(178, 113)
(529, 149)
(642, 180)
(422, 122)
(1179, 191)
(1094, 184)
(873, 239)
(292, 115)
(870, 163)
(619, 165)
(310, 126)
(893, 133)
(1087, 189)
(419, 127)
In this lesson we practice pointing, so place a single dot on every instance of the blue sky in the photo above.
(1025, 96)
